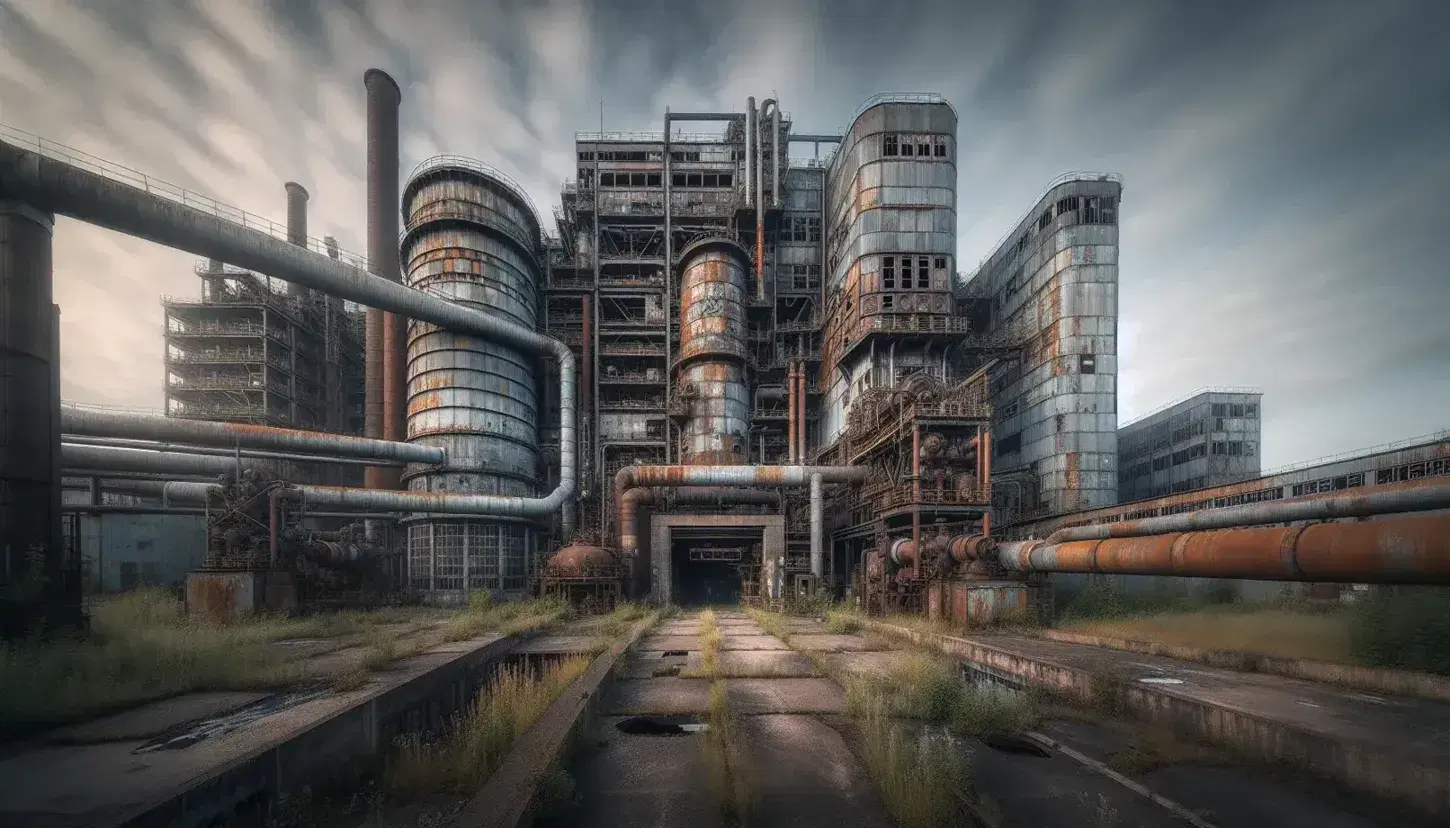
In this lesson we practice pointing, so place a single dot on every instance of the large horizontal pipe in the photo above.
(961, 548)
(115, 509)
(144, 445)
(807, 138)
(76, 420)
(629, 505)
(630, 477)
(702, 116)
(1393, 550)
(69, 190)
(110, 459)
(1398, 499)
(111, 474)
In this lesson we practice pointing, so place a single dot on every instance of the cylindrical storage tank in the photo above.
(713, 355)
(472, 237)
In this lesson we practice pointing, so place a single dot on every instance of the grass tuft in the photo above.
(927, 688)
(728, 781)
(463, 756)
(920, 776)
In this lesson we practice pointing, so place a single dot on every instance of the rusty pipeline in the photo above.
(1392, 550)
(800, 410)
(790, 414)
(1386, 500)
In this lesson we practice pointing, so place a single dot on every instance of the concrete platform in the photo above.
(873, 664)
(670, 642)
(802, 773)
(754, 696)
(833, 643)
(761, 664)
(666, 696)
(626, 781)
(561, 644)
(752, 642)
(151, 720)
(112, 784)
(646, 665)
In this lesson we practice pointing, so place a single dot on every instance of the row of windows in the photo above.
(639, 179)
(922, 268)
(1094, 210)
(1412, 471)
(1139, 445)
(805, 277)
(1234, 410)
(1227, 448)
(683, 156)
(801, 229)
(898, 144)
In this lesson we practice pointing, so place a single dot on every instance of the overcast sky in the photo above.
(1286, 164)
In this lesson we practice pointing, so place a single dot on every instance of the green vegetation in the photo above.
(483, 615)
(926, 687)
(728, 780)
(1405, 628)
(1100, 598)
(842, 621)
(474, 746)
(921, 774)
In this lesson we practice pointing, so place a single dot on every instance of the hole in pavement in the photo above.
(1015, 744)
(651, 726)
(674, 653)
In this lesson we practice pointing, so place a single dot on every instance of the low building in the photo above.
(1207, 439)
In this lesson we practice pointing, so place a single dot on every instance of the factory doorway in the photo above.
(707, 567)
(701, 559)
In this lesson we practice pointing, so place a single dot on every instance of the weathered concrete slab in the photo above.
(761, 664)
(751, 696)
(645, 665)
(562, 644)
(626, 781)
(663, 696)
(832, 643)
(802, 773)
(752, 642)
(153, 719)
(670, 642)
(872, 664)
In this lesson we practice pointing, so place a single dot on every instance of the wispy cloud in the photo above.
(1284, 162)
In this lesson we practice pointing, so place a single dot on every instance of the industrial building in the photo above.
(731, 373)
(1206, 439)
(1053, 282)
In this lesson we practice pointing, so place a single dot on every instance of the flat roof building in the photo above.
(1208, 438)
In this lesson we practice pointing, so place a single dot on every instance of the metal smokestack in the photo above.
(382, 359)
(296, 226)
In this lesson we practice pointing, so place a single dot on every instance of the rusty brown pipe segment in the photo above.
(1379, 501)
(629, 505)
(1411, 549)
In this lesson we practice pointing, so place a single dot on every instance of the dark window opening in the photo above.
(694, 180)
(888, 145)
(638, 179)
(585, 155)
(1044, 220)
(1251, 410)
(606, 179)
(727, 179)
(1235, 448)
(1219, 410)
(677, 179)
(1236, 410)
(888, 302)
(1067, 205)
(1010, 444)
(940, 263)
(923, 149)
(923, 273)
(1087, 364)
(653, 180)
(888, 272)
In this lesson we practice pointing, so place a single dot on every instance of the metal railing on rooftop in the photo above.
(438, 162)
(154, 186)
(1412, 442)
(1186, 397)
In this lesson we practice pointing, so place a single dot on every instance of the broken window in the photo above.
(888, 302)
(940, 263)
(906, 271)
(1087, 364)
(1067, 205)
(1235, 448)
(940, 148)
(585, 155)
(923, 273)
(888, 273)
(813, 229)
(1044, 220)
(1219, 410)
(1251, 410)
(888, 144)
(923, 147)
(1236, 410)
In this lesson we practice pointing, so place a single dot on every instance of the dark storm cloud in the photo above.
(1284, 162)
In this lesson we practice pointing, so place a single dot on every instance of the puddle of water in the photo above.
(658, 726)
(190, 734)
(1159, 680)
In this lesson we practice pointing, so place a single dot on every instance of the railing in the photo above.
(219, 329)
(154, 186)
(631, 405)
(215, 383)
(1186, 397)
(631, 378)
(474, 165)
(806, 326)
(620, 349)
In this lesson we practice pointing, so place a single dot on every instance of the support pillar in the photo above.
(37, 590)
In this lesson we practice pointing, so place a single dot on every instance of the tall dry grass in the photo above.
(472, 747)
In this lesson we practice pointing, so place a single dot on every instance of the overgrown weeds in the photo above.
(928, 688)
(718, 748)
(483, 614)
(142, 648)
(921, 776)
(1405, 628)
(842, 621)
(463, 756)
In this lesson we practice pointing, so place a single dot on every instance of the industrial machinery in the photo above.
(591, 578)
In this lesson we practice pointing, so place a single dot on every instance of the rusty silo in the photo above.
(473, 238)
(713, 355)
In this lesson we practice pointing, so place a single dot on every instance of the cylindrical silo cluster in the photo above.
(713, 353)
(471, 238)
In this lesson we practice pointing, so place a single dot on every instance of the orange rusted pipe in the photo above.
(984, 452)
(1393, 550)
(790, 412)
(629, 506)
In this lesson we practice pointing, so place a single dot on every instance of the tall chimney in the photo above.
(296, 226)
(383, 361)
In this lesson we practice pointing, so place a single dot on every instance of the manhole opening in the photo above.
(1015, 745)
(658, 726)
(674, 653)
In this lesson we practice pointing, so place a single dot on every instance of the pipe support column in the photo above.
(818, 564)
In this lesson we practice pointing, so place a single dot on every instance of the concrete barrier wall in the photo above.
(1398, 682)
(1357, 766)
(360, 727)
